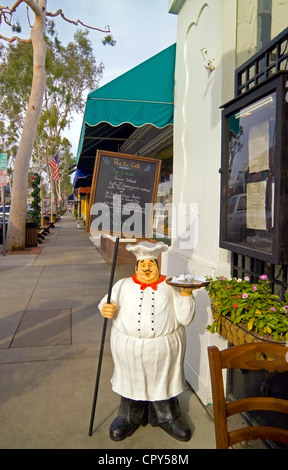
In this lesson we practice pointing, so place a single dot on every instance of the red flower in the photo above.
(235, 306)
(236, 295)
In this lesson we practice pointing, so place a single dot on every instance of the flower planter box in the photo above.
(239, 334)
(31, 236)
(246, 312)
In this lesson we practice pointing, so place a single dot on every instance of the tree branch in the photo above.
(60, 12)
(15, 38)
(14, 7)
(30, 3)
(6, 14)
(33, 5)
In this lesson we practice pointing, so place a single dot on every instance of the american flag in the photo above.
(54, 163)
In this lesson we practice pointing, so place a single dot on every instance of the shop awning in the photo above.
(143, 95)
(84, 190)
(82, 178)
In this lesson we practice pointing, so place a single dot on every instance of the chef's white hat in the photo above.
(147, 249)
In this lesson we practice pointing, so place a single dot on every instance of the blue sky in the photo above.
(141, 28)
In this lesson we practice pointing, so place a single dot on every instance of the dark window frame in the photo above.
(278, 172)
(270, 60)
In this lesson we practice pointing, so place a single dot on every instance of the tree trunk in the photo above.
(17, 218)
(53, 198)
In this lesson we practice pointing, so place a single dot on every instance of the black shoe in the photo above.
(135, 411)
(121, 428)
(177, 428)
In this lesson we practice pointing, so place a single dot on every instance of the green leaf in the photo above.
(250, 324)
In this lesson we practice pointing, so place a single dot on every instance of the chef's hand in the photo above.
(187, 291)
(108, 310)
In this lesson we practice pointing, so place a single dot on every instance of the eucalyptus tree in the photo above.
(70, 71)
(38, 8)
(16, 69)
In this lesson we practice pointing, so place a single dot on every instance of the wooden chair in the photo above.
(255, 356)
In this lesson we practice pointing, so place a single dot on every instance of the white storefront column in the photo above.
(204, 80)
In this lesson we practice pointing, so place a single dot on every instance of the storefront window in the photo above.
(253, 173)
(250, 181)
(162, 225)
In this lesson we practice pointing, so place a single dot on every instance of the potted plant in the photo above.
(35, 204)
(35, 215)
(249, 307)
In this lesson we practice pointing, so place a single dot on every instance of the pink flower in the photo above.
(235, 306)
(254, 288)
(273, 309)
(244, 296)
(263, 277)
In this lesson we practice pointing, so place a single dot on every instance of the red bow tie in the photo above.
(153, 285)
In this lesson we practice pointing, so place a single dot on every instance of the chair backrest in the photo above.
(255, 356)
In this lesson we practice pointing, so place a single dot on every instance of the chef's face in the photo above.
(147, 271)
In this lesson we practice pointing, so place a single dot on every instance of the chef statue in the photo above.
(148, 346)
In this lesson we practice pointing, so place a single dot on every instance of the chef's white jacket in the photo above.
(148, 339)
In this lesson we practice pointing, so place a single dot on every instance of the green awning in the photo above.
(143, 95)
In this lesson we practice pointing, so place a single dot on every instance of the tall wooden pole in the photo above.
(103, 339)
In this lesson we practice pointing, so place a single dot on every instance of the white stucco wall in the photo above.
(227, 29)
(247, 21)
(199, 94)
(279, 16)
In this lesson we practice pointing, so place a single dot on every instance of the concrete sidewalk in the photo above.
(50, 332)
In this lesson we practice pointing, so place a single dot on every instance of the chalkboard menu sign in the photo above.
(124, 190)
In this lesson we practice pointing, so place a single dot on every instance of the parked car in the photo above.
(28, 215)
(7, 210)
(161, 223)
(236, 218)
